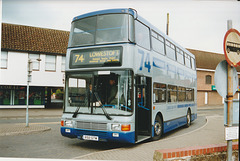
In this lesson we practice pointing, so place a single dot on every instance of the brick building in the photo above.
(19, 43)
(206, 63)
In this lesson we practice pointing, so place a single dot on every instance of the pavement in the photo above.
(210, 133)
(20, 128)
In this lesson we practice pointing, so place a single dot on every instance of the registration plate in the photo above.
(90, 137)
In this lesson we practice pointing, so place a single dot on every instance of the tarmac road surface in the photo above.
(50, 144)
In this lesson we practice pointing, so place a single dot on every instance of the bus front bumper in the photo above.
(94, 135)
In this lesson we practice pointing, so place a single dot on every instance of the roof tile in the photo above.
(34, 39)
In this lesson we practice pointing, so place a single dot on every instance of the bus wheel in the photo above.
(158, 128)
(228, 50)
(188, 118)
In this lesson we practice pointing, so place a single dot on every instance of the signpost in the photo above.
(231, 46)
(221, 79)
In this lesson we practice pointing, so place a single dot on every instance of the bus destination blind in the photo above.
(96, 57)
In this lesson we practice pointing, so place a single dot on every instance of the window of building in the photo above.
(35, 63)
(172, 93)
(4, 59)
(63, 63)
(36, 96)
(208, 79)
(5, 96)
(50, 63)
(181, 94)
(142, 35)
(158, 43)
(159, 92)
(20, 96)
(170, 50)
(16, 95)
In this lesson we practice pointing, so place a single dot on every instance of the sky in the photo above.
(194, 24)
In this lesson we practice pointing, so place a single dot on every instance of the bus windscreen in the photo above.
(101, 29)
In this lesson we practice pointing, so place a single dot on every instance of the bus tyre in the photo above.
(228, 50)
(158, 128)
(188, 119)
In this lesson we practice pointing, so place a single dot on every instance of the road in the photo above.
(50, 144)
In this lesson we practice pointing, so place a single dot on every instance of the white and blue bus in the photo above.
(126, 81)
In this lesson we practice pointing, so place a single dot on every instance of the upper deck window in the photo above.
(101, 29)
(142, 35)
(180, 56)
(193, 63)
(170, 50)
(158, 43)
(187, 60)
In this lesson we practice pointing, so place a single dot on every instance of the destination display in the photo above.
(96, 57)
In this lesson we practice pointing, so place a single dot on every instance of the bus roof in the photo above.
(102, 12)
(136, 16)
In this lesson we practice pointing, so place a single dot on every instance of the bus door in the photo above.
(143, 108)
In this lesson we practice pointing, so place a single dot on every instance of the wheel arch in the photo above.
(189, 109)
(161, 117)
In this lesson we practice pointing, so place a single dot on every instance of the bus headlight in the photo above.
(68, 123)
(116, 127)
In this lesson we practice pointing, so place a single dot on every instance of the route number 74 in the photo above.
(146, 63)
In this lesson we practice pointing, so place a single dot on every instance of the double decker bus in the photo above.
(233, 47)
(126, 81)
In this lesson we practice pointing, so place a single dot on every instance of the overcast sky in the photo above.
(193, 24)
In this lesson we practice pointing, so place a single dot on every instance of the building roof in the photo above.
(208, 60)
(34, 39)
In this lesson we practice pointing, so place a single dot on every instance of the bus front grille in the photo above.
(92, 125)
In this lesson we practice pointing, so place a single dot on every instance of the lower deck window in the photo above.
(171, 93)
(159, 92)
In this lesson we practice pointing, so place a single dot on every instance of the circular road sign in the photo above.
(231, 45)
(221, 78)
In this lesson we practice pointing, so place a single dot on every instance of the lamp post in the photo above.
(29, 79)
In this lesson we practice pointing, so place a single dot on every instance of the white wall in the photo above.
(16, 72)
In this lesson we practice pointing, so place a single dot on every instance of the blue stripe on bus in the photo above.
(128, 137)
(171, 68)
(173, 124)
(186, 105)
(193, 117)
(158, 63)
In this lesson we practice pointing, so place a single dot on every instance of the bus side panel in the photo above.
(173, 124)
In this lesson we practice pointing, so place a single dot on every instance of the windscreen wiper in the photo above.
(104, 110)
(76, 112)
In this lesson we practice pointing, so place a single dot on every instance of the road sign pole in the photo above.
(229, 109)
(229, 101)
